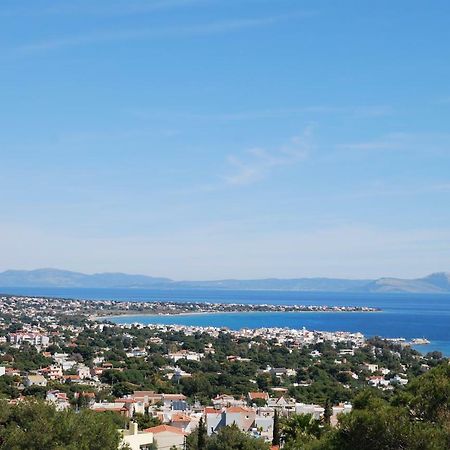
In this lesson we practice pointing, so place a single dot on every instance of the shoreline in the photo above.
(114, 316)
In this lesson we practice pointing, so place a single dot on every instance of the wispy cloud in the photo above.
(105, 36)
(444, 101)
(100, 8)
(257, 163)
(382, 189)
(267, 113)
(438, 143)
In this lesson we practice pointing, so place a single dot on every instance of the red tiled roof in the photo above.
(255, 395)
(237, 409)
(164, 428)
(72, 377)
(180, 417)
(174, 397)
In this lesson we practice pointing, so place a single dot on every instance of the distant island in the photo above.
(55, 278)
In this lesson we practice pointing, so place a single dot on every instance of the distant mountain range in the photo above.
(45, 278)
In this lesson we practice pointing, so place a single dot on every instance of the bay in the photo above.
(403, 315)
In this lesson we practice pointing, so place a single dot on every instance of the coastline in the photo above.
(200, 313)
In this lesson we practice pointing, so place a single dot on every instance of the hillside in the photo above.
(434, 283)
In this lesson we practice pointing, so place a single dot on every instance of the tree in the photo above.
(231, 438)
(300, 429)
(201, 435)
(328, 412)
(388, 428)
(146, 421)
(428, 396)
(276, 429)
(36, 425)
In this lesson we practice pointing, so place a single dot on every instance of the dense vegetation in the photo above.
(413, 417)
(315, 381)
(417, 418)
(36, 425)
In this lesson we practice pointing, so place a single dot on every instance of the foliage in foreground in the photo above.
(36, 425)
(228, 438)
(417, 418)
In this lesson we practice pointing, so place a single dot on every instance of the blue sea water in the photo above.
(403, 315)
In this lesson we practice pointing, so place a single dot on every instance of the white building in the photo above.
(22, 337)
(35, 380)
(136, 440)
(166, 437)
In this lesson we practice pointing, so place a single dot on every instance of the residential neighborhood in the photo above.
(162, 381)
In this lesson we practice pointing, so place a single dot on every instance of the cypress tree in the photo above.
(328, 412)
(276, 429)
(201, 435)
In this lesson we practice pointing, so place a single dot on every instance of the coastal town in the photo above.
(165, 381)
(101, 308)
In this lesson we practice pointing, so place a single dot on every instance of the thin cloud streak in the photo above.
(259, 162)
(268, 113)
(211, 28)
(400, 141)
(109, 8)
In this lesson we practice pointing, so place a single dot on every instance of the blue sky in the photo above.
(202, 139)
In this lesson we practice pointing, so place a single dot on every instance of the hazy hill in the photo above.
(65, 278)
(434, 283)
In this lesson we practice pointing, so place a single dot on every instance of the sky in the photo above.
(206, 139)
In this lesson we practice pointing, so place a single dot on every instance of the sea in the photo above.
(403, 315)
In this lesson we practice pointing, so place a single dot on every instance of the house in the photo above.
(346, 351)
(280, 372)
(2, 370)
(261, 396)
(226, 400)
(399, 380)
(184, 354)
(279, 390)
(282, 403)
(22, 337)
(136, 353)
(59, 399)
(166, 436)
(242, 417)
(136, 440)
(36, 339)
(315, 410)
(371, 367)
(12, 372)
(83, 371)
(264, 425)
(53, 372)
(378, 381)
(35, 380)
(214, 419)
(341, 408)
(181, 421)
(72, 378)
(117, 407)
